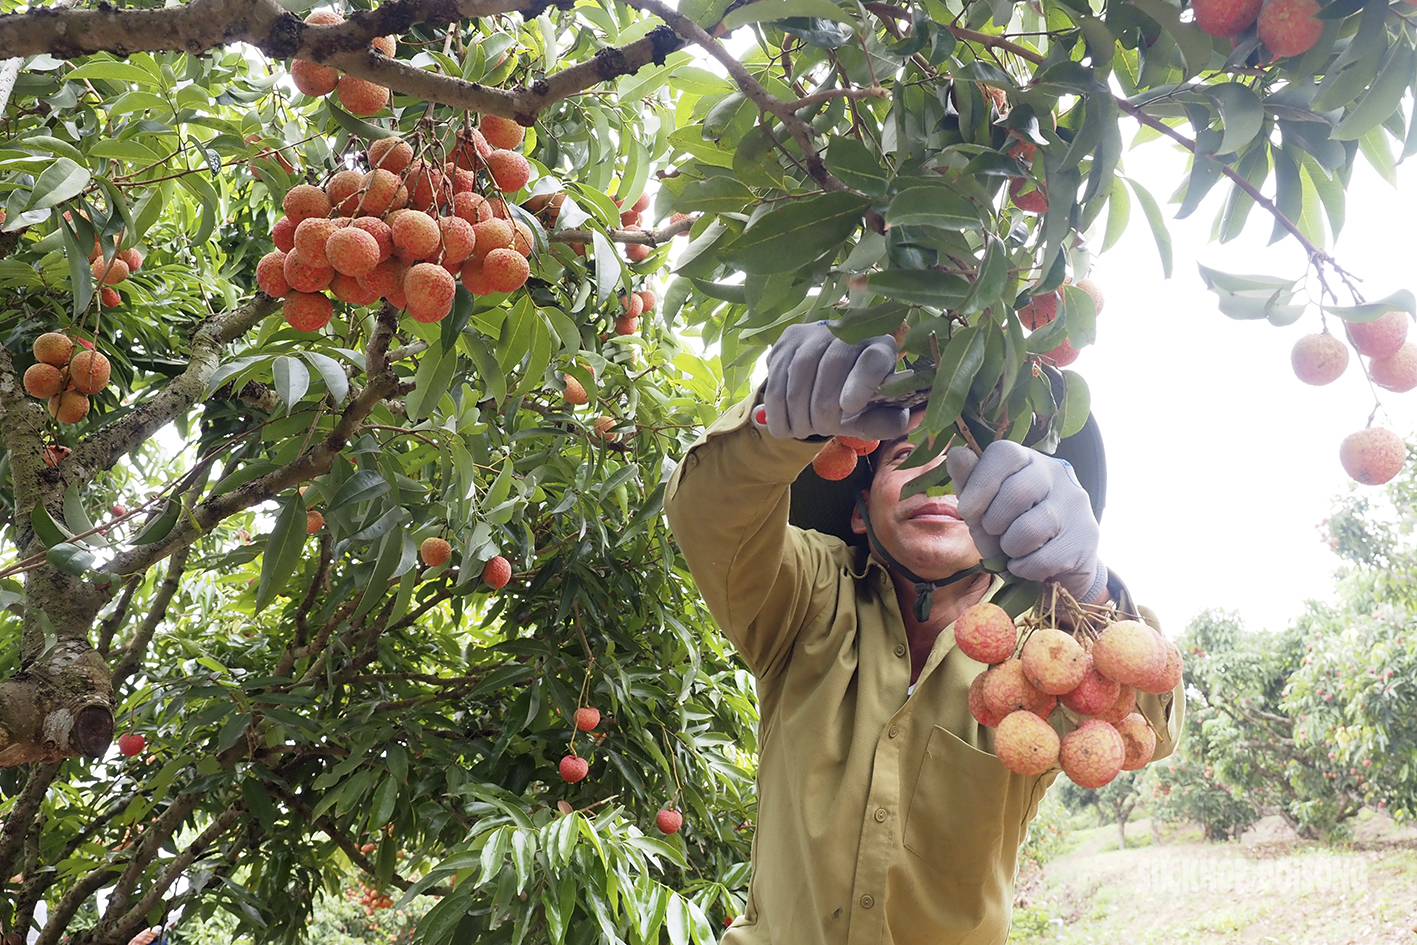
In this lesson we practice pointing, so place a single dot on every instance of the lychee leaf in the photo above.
(161, 525)
(333, 375)
(49, 531)
(283, 548)
(1401, 300)
(1240, 112)
(292, 380)
(70, 558)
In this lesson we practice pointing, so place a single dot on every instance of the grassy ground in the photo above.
(1265, 888)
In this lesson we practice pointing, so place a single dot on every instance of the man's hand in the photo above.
(1028, 506)
(820, 385)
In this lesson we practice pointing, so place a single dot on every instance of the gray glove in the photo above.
(1030, 507)
(820, 385)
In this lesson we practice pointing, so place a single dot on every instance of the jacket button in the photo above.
(880, 814)
(895, 730)
(900, 649)
(867, 902)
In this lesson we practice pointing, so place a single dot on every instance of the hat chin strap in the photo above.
(924, 590)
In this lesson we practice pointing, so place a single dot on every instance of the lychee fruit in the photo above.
(1061, 356)
(1007, 689)
(131, 743)
(415, 235)
(89, 372)
(978, 708)
(1025, 744)
(491, 233)
(637, 252)
(506, 270)
(304, 201)
(1129, 651)
(388, 45)
(1053, 661)
(435, 551)
(458, 239)
(1028, 195)
(391, 154)
(111, 272)
(425, 183)
(303, 276)
(283, 234)
(360, 96)
(497, 572)
(53, 348)
(314, 521)
(501, 132)
(311, 235)
(575, 392)
(604, 428)
(1289, 27)
(587, 718)
(1094, 694)
(1125, 705)
(381, 188)
(474, 279)
(1094, 292)
(43, 380)
(1398, 371)
(986, 633)
(1373, 455)
(343, 190)
(862, 447)
(429, 289)
(1170, 676)
(381, 232)
(1041, 310)
(1381, 337)
(668, 821)
(1092, 754)
(108, 297)
(1138, 741)
(509, 169)
(351, 291)
(385, 280)
(628, 325)
(1226, 18)
(350, 250)
(1319, 359)
(313, 79)
(835, 462)
(133, 258)
(270, 275)
(68, 406)
(649, 300)
(307, 311)
(574, 769)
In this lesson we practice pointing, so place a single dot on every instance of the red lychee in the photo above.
(283, 234)
(380, 231)
(429, 289)
(1129, 651)
(977, 706)
(1025, 744)
(502, 132)
(506, 269)
(133, 258)
(270, 275)
(491, 233)
(1319, 359)
(43, 380)
(69, 406)
(509, 169)
(435, 551)
(1398, 371)
(391, 154)
(89, 372)
(1138, 741)
(314, 521)
(342, 189)
(351, 291)
(862, 447)
(425, 185)
(1007, 689)
(360, 96)
(304, 201)
(1170, 675)
(1092, 754)
(628, 325)
(311, 235)
(1053, 661)
(386, 281)
(308, 311)
(53, 348)
(1226, 18)
(108, 297)
(575, 394)
(350, 250)
(1041, 310)
(458, 239)
(303, 276)
(497, 572)
(637, 252)
(381, 188)
(111, 272)
(1094, 292)
(574, 769)
(131, 743)
(1380, 337)
(1061, 356)
(1027, 195)
(1289, 27)
(415, 235)
(1095, 694)
(1125, 705)
(834, 462)
(313, 79)
(986, 633)
(587, 718)
(1373, 455)
(668, 821)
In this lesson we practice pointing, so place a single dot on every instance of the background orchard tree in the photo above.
(221, 547)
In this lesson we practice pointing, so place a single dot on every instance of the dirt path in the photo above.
(1261, 890)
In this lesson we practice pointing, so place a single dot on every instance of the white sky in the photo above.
(1221, 463)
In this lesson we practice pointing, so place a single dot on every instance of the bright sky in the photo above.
(1221, 464)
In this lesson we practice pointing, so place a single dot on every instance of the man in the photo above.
(883, 816)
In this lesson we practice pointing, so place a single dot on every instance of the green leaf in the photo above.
(160, 526)
(1196, 47)
(1077, 403)
(1383, 97)
(76, 517)
(355, 126)
(111, 71)
(923, 286)
(715, 195)
(70, 558)
(1157, 223)
(1119, 211)
(857, 166)
(282, 552)
(258, 802)
(796, 234)
(431, 380)
(1401, 300)
(1215, 279)
(60, 182)
(989, 284)
(360, 487)
(207, 200)
(769, 10)
(46, 529)
(1240, 111)
(80, 274)
(933, 205)
(292, 380)
(959, 362)
(336, 381)
(494, 381)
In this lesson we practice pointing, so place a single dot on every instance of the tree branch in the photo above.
(137, 647)
(17, 821)
(644, 237)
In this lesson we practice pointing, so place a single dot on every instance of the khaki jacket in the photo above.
(883, 816)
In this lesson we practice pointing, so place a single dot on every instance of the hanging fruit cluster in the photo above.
(65, 375)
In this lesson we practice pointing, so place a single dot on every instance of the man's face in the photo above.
(923, 533)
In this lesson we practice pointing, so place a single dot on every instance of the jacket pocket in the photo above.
(958, 813)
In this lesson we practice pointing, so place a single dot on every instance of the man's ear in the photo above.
(858, 524)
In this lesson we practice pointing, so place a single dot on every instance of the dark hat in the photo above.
(826, 506)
